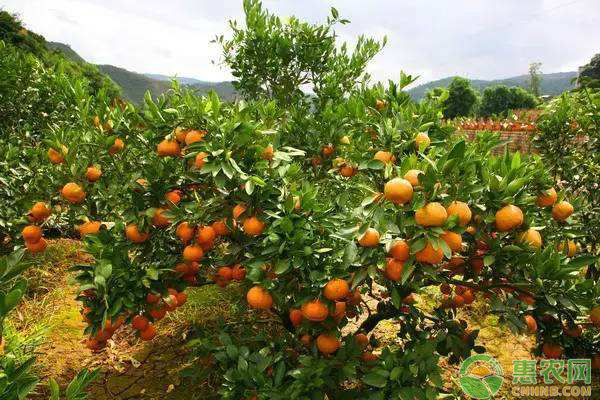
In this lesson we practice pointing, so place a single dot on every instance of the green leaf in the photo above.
(375, 379)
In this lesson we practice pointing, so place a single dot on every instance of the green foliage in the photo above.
(14, 34)
(76, 388)
(553, 84)
(568, 137)
(535, 78)
(592, 69)
(501, 99)
(461, 99)
(279, 58)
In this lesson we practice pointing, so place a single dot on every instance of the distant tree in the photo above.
(590, 72)
(437, 93)
(500, 98)
(535, 78)
(461, 98)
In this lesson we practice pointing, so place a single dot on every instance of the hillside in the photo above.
(552, 84)
(135, 85)
(180, 79)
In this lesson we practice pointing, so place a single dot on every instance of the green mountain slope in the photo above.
(552, 84)
(135, 85)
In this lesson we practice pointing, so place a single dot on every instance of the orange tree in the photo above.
(332, 211)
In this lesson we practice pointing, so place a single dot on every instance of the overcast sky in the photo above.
(434, 39)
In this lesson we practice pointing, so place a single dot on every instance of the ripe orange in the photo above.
(206, 234)
(336, 289)
(328, 150)
(117, 146)
(158, 313)
(422, 140)
(296, 317)
(453, 240)
(168, 148)
(367, 356)
(531, 324)
(315, 311)
(412, 175)
(429, 255)
(471, 230)
(238, 210)
(40, 211)
(508, 217)
(31, 234)
(152, 298)
(159, 220)
(305, 339)
(462, 210)
(398, 191)
(37, 247)
(194, 136)
(595, 316)
(253, 226)
(134, 235)
(552, 350)
(369, 239)
(89, 228)
(139, 322)
(327, 344)
(432, 214)
(573, 331)
(220, 227)
(173, 196)
(393, 269)
(532, 238)
(182, 268)
(547, 198)
(200, 160)
(258, 297)
(57, 157)
(180, 134)
(185, 232)
(384, 156)
(571, 248)
(399, 250)
(268, 153)
(562, 210)
(225, 273)
(149, 333)
(340, 310)
(93, 174)
(316, 161)
(193, 253)
(181, 298)
(348, 171)
(73, 193)
(596, 361)
(238, 273)
(526, 298)
(362, 340)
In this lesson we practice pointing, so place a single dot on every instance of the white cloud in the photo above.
(477, 39)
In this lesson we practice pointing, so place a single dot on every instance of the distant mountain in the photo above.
(552, 84)
(182, 80)
(135, 85)
(66, 50)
